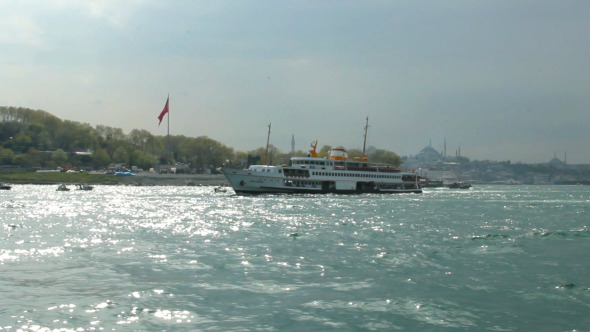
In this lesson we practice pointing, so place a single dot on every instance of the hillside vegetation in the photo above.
(36, 139)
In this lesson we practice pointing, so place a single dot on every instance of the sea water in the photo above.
(121, 258)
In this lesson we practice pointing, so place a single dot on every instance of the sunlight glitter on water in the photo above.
(185, 258)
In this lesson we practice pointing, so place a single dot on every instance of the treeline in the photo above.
(37, 139)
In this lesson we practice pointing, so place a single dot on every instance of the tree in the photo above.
(325, 151)
(32, 158)
(59, 157)
(22, 142)
(100, 158)
(6, 156)
(120, 155)
(203, 152)
(383, 156)
(140, 138)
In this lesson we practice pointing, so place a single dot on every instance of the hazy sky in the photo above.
(502, 80)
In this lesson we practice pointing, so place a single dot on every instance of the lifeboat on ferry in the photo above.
(338, 154)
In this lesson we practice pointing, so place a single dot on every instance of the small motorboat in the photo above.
(62, 187)
(459, 185)
(84, 187)
(4, 186)
(220, 190)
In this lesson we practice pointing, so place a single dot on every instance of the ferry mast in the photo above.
(267, 140)
(364, 157)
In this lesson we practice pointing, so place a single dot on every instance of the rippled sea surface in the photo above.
(496, 258)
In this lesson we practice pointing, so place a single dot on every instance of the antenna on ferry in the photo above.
(363, 157)
(267, 140)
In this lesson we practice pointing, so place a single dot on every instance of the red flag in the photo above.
(164, 111)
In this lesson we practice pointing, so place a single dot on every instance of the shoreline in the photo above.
(151, 179)
(96, 178)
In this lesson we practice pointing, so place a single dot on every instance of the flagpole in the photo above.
(165, 111)
(168, 132)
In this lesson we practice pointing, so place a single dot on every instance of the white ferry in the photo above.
(313, 174)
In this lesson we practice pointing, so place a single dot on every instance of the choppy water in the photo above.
(497, 258)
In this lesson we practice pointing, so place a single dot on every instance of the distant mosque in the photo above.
(556, 163)
(430, 155)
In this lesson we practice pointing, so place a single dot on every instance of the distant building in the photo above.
(426, 157)
(556, 163)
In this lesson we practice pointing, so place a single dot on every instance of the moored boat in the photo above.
(124, 174)
(313, 174)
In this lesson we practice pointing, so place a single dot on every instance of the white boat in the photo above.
(312, 174)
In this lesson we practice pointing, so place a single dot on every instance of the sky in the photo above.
(499, 80)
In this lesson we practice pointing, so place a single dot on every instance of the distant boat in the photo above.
(124, 174)
(220, 190)
(429, 183)
(459, 185)
(4, 186)
(84, 187)
(62, 187)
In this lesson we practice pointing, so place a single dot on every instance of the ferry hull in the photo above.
(245, 181)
